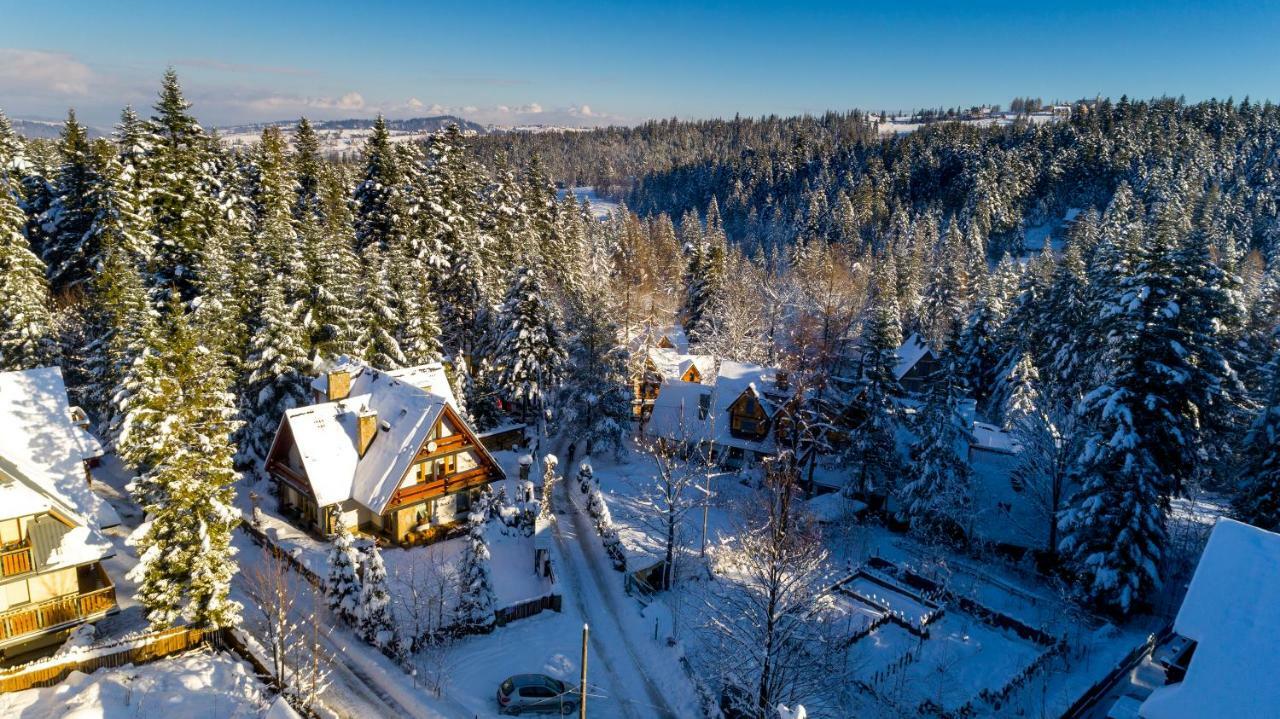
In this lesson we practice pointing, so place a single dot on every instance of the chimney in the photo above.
(366, 430)
(339, 381)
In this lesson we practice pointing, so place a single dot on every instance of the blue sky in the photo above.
(602, 62)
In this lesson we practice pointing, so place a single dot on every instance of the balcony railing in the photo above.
(16, 560)
(54, 613)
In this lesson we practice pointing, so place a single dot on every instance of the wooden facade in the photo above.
(747, 418)
(448, 471)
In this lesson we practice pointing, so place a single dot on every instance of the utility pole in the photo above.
(582, 686)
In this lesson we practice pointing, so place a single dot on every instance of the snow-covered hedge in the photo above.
(600, 515)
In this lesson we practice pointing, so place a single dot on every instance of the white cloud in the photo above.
(37, 71)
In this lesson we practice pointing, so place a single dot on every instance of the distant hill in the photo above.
(413, 125)
(48, 129)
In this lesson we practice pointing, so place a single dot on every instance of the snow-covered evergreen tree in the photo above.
(185, 557)
(530, 354)
(1019, 392)
(71, 250)
(872, 451)
(373, 613)
(342, 584)
(125, 322)
(1259, 499)
(937, 497)
(476, 600)
(277, 371)
(596, 397)
(184, 206)
(1138, 414)
(381, 213)
(379, 341)
(27, 334)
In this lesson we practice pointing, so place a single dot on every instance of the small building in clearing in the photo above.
(383, 452)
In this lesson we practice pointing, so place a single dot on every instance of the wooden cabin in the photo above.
(386, 454)
(917, 365)
(663, 365)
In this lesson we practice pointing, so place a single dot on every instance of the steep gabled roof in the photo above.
(40, 438)
(61, 536)
(671, 364)
(408, 404)
(910, 353)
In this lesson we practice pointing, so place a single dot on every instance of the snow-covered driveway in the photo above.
(594, 589)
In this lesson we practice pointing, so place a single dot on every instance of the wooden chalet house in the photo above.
(736, 419)
(917, 364)
(51, 545)
(662, 364)
(384, 453)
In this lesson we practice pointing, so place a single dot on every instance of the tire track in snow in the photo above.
(583, 533)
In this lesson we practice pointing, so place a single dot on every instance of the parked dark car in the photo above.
(536, 693)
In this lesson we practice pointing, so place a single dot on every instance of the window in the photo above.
(704, 405)
(747, 426)
(536, 692)
(464, 502)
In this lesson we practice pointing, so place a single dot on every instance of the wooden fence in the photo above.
(139, 650)
(1103, 685)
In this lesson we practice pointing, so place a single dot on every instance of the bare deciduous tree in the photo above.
(770, 605)
(292, 627)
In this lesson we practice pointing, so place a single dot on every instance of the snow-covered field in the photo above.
(197, 685)
(601, 207)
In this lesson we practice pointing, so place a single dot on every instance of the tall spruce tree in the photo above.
(181, 440)
(277, 370)
(381, 212)
(184, 206)
(530, 354)
(872, 452)
(596, 397)
(27, 334)
(938, 497)
(1140, 420)
(71, 250)
(1259, 499)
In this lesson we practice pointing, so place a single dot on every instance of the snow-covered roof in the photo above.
(1230, 610)
(993, 438)
(407, 402)
(56, 544)
(40, 437)
(671, 364)
(676, 410)
(647, 336)
(910, 353)
(430, 377)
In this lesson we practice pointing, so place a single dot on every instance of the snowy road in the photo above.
(595, 589)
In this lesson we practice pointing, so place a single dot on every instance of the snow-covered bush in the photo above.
(604, 527)
(342, 586)
(585, 477)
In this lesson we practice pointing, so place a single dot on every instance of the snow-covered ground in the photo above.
(197, 685)
(962, 655)
(601, 207)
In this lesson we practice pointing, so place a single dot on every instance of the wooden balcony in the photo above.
(475, 477)
(16, 560)
(56, 614)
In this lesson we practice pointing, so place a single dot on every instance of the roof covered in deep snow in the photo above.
(1230, 610)
(407, 402)
(40, 436)
(909, 354)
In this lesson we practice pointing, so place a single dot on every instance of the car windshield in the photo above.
(506, 687)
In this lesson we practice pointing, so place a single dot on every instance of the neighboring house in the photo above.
(1230, 613)
(917, 363)
(385, 453)
(51, 545)
(664, 365)
(649, 336)
(735, 419)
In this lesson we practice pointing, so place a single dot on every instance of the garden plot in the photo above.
(961, 658)
(910, 609)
